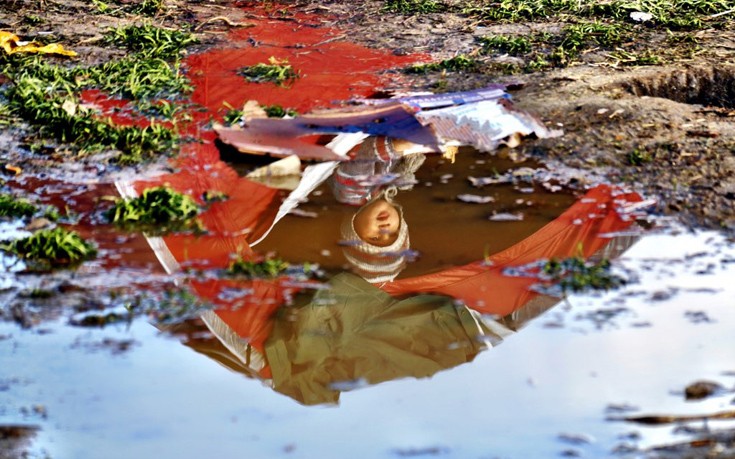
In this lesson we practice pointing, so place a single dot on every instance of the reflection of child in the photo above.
(376, 163)
(376, 239)
(376, 236)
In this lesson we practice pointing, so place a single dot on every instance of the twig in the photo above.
(329, 40)
(226, 20)
(724, 13)
(95, 39)
(669, 419)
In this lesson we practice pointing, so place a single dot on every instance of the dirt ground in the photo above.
(679, 117)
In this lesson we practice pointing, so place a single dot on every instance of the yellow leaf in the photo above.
(11, 44)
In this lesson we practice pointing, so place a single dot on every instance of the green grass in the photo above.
(265, 269)
(10, 206)
(42, 93)
(58, 115)
(544, 50)
(591, 25)
(275, 71)
(51, 248)
(455, 64)
(638, 157)
(149, 41)
(277, 111)
(142, 7)
(160, 209)
(576, 275)
(513, 45)
(673, 14)
(413, 6)
(631, 58)
(234, 116)
(32, 19)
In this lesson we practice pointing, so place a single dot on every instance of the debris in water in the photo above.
(576, 439)
(475, 199)
(483, 119)
(671, 419)
(506, 217)
(702, 389)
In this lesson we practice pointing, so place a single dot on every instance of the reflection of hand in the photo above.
(402, 147)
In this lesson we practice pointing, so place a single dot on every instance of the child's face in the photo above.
(378, 223)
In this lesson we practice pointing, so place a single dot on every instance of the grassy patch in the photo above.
(519, 10)
(51, 248)
(275, 71)
(272, 268)
(638, 157)
(234, 116)
(576, 275)
(58, 115)
(10, 206)
(32, 19)
(544, 50)
(413, 6)
(160, 209)
(454, 64)
(150, 41)
(46, 95)
(623, 28)
(513, 45)
(277, 111)
(672, 14)
(265, 269)
(630, 58)
(143, 7)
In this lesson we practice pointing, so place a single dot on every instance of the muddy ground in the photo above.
(667, 129)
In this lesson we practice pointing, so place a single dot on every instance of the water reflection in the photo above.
(349, 335)
(364, 326)
(312, 341)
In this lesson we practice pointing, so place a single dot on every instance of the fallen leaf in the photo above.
(11, 44)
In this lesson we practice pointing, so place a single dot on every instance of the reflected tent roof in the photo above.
(355, 333)
(583, 229)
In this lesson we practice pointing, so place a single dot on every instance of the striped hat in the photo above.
(373, 263)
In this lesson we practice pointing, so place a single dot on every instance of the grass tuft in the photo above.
(265, 269)
(413, 6)
(10, 206)
(150, 41)
(454, 64)
(276, 71)
(576, 275)
(160, 208)
(51, 248)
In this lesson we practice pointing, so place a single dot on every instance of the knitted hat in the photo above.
(374, 263)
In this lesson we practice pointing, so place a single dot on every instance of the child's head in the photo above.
(376, 239)
(378, 222)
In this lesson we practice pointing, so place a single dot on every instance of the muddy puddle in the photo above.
(458, 354)
(393, 382)
(419, 304)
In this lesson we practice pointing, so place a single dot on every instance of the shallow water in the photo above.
(561, 374)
